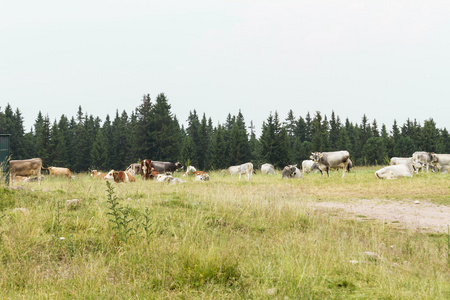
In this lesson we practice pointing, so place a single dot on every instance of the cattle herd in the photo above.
(160, 171)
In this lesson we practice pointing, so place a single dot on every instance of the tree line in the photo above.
(85, 142)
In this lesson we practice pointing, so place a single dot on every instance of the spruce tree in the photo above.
(166, 131)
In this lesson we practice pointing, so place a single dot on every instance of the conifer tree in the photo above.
(42, 129)
(188, 154)
(63, 127)
(166, 131)
(143, 128)
(57, 147)
(98, 153)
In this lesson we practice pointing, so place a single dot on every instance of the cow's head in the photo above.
(178, 165)
(316, 156)
(109, 175)
(434, 158)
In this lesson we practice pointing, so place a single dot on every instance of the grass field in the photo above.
(223, 239)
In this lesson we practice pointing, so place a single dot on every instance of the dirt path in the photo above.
(421, 216)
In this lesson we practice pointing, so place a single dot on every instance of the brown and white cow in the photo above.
(121, 176)
(25, 167)
(146, 169)
(97, 175)
(57, 171)
(329, 160)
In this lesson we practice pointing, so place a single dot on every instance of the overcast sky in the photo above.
(386, 59)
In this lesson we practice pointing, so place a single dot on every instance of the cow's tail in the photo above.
(45, 168)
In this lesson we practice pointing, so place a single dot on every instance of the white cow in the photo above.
(395, 171)
(267, 169)
(401, 161)
(233, 170)
(309, 166)
(247, 169)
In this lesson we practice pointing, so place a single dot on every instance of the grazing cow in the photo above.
(424, 158)
(57, 171)
(309, 166)
(233, 170)
(163, 166)
(395, 171)
(267, 169)
(328, 160)
(291, 171)
(97, 175)
(25, 167)
(202, 177)
(247, 169)
(134, 169)
(190, 170)
(121, 176)
(440, 159)
(146, 169)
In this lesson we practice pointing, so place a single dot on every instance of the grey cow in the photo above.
(329, 160)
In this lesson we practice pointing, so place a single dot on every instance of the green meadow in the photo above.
(222, 239)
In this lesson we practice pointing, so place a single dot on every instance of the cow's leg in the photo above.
(239, 176)
(328, 171)
(344, 169)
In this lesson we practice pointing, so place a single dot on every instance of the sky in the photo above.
(389, 60)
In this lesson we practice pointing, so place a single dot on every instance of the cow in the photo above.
(401, 161)
(247, 169)
(395, 171)
(146, 168)
(328, 160)
(163, 166)
(267, 169)
(190, 170)
(121, 176)
(202, 177)
(440, 160)
(309, 166)
(163, 178)
(97, 175)
(168, 178)
(424, 158)
(57, 171)
(291, 171)
(134, 169)
(109, 175)
(25, 167)
(233, 170)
